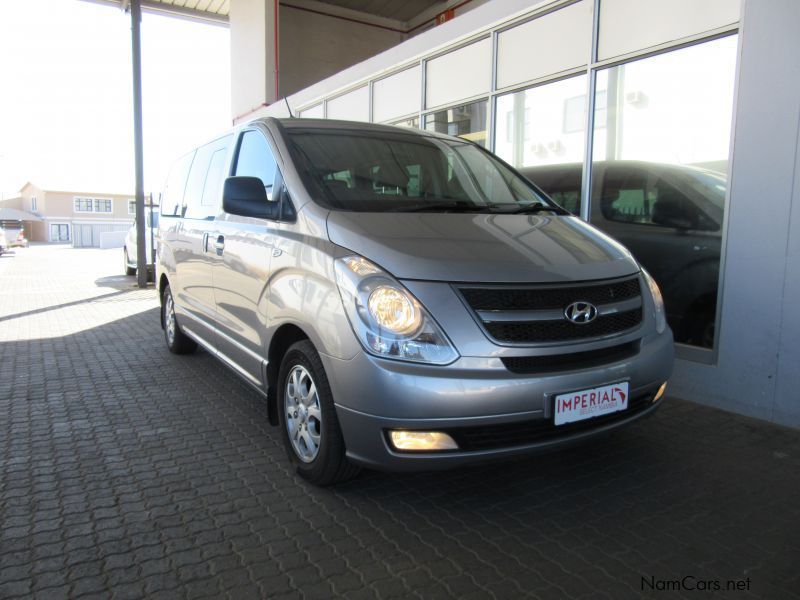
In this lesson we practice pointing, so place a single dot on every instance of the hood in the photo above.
(487, 248)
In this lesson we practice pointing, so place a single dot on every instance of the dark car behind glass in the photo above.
(669, 217)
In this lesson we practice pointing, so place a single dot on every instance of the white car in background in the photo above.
(3, 242)
(129, 249)
(15, 237)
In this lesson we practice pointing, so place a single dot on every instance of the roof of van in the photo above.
(297, 123)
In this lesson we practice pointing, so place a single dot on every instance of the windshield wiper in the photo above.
(532, 209)
(458, 206)
(438, 207)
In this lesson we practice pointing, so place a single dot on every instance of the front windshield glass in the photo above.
(398, 172)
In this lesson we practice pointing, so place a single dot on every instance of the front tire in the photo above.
(129, 270)
(309, 426)
(177, 341)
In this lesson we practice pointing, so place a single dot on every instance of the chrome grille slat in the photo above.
(535, 314)
(553, 314)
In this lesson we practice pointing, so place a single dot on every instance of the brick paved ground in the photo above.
(127, 472)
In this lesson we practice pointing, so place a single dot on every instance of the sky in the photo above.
(66, 107)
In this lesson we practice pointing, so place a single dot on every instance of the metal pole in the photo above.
(152, 264)
(136, 59)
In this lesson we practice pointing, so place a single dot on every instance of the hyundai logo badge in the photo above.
(581, 313)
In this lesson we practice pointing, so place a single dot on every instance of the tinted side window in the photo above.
(214, 177)
(172, 197)
(672, 208)
(201, 199)
(624, 197)
(255, 159)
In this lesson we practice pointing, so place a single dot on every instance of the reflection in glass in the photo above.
(544, 125)
(659, 172)
(468, 121)
(412, 122)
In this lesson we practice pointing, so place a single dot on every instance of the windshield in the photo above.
(388, 172)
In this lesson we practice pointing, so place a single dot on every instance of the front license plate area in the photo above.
(587, 404)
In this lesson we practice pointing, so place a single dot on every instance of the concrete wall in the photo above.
(253, 60)
(757, 370)
(314, 46)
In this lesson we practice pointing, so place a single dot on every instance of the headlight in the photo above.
(394, 310)
(388, 321)
(658, 300)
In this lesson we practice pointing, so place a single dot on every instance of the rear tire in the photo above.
(177, 341)
(307, 416)
(129, 270)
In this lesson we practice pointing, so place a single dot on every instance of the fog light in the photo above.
(421, 441)
(660, 391)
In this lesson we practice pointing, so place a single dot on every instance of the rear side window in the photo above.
(202, 195)
(172, 197)
(255, 159)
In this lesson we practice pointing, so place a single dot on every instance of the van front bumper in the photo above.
(490, 412)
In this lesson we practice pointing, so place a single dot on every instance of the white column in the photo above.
(254, 55)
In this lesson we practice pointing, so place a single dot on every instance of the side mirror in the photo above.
(669, 213)
(246, 197)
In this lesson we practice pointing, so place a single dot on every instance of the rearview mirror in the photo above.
(246, 197)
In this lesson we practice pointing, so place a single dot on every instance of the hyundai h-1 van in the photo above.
(404, 300)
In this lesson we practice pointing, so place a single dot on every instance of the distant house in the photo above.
(78, 218)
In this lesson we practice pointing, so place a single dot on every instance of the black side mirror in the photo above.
(246, 197)
(670, 213)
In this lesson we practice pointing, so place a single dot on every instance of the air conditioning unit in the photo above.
(538, 149)
(636, 98)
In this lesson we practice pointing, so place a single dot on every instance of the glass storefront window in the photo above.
(412, 122)
(543, 125)
(659, 172)
(542, 132)
(468, 121)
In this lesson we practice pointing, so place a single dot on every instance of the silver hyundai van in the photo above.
(404, 300)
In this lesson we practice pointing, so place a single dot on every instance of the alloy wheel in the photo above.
(303, 414)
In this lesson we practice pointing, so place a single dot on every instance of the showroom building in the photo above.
(621, 107)
(671, 125)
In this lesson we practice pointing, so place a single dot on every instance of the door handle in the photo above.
(205, 242)
(219, 245)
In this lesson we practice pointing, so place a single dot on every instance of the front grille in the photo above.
(574, 360)
(520, 332)
(492, 437)
(509, 314)
(539, 298)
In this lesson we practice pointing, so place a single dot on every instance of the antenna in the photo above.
(289, 108)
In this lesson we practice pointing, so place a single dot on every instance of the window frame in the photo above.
(286, 212)
(77, 200)
(96, 202)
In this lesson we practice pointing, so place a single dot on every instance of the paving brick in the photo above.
(128, 472)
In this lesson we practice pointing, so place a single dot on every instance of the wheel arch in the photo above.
(163, 282)
(283, 338)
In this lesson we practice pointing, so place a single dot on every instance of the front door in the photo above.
(59, 232)
(241, 277)
(194, 247)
